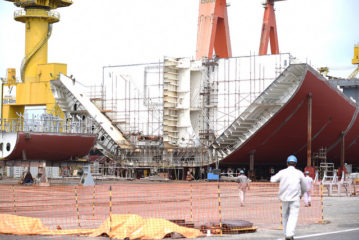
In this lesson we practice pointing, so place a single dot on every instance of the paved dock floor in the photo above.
(340, 213)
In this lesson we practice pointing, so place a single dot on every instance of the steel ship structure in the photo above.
(178, 113)
(274, 125)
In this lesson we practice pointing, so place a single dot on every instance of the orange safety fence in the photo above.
(207, 206)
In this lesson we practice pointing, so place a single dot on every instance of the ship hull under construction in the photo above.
(273, 125)
(334, 119)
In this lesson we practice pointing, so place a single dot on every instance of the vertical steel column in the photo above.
(103, 89)
(342, 151)
(309, 139)
(251, 164)
(216, 159)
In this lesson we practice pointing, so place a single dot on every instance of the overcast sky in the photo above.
(92, 34)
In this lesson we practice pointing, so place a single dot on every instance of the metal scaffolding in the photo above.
(145, 101)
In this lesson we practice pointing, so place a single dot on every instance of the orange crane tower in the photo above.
(269, 29)
(213, 30)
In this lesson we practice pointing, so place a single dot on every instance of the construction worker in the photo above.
(243, 181)
(307, 194)
(291, 188)
(189, 176)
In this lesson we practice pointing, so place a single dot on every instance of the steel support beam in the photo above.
(342, 150)
(309, 135)
(251, 165)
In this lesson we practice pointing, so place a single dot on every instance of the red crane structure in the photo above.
(213, 30)
(269, 29)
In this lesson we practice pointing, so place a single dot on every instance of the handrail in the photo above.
(22, 12)
(7, 81)
(46, 123)
(54, 14)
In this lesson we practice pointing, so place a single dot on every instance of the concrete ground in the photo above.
(340, 213)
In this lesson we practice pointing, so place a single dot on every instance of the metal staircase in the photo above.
(68, 95)
(170, 99)
(260, 111)
(110, 139)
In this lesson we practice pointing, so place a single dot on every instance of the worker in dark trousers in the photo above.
(292, 186)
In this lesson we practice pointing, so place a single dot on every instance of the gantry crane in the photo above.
(355, 61)
(213, 30)
(269, 29)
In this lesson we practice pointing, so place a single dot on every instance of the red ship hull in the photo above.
(286, 132)
(48, 146)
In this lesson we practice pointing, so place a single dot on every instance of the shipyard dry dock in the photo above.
(217, 111)
(170, 119)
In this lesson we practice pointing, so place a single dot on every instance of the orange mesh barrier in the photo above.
(214, 207)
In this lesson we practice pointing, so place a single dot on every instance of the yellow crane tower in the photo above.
(36, 73)
(355, 61)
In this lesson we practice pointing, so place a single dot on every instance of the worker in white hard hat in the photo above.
(292, 186)
(243, 181)
(307, 195)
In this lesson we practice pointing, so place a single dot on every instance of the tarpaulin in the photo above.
(118, 226)
(135, 227)
(12, 224)
(19, 225)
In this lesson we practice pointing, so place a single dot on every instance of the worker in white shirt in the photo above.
(292, 186)
(243, 181)
(307, 194)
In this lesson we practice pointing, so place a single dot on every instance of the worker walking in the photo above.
(243, 181)
(307, 194)
(291, 188)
